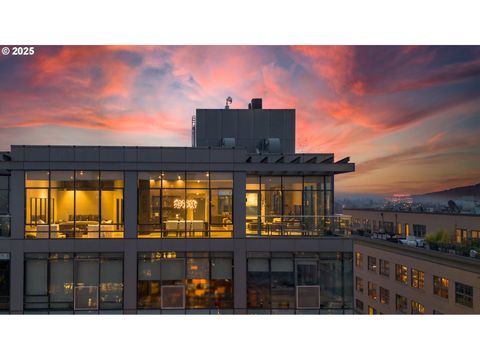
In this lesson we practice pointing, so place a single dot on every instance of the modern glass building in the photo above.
(238, 223)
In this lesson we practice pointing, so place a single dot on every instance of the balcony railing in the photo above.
(4, 225)
(298, 225)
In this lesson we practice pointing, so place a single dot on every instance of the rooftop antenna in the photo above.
(228, 102)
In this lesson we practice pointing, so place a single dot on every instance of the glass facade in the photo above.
(4, 206)
(66, 282)
(73, 204)
(4, 283)
(299, 282)
(178, 281)
(292, 206)
(179, 204)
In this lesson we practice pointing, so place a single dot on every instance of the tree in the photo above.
(441, 238)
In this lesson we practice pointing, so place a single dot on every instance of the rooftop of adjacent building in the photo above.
(379, 210)
(465, 263)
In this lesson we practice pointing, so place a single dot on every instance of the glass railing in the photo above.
(4, 225)
(298, 225)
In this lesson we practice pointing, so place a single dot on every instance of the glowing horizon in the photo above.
(408, 116)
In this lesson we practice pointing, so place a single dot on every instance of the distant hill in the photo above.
(462, 192)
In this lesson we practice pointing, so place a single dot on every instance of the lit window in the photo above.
(401, 273)
(418, 279)
(417, 308)
(440, 286)
(358, 259)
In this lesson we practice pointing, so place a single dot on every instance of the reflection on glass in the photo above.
(198, 283)
(283, 284)
(258, 284)
(169, 280)
(84, 282)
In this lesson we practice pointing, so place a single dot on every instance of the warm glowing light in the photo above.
(252, 199)
(182, 204)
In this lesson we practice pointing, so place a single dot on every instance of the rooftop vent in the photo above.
(228, 142)
(270, 145)
(256, 103)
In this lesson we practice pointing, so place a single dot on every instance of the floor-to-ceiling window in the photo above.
(290, 206)
(66, 282)
(286, 282)
(4, 206)
(74, 204)
(179, 282)
(179, 204)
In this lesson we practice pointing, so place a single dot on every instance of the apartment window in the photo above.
(4, 207)
(73, 204)
(440, 286)
(417, 308)
(384, 295)
(464, 294)
(359, 284)
(401, 273)
(401, 304)
(372, 263)
(281, 282)
(372, 290)
(185, 204)
(358, 259)
(460, 235)
(359, 304)
(67, 282)
(174, 280)
(419, 230)
(258, 283)
(288, 205)
(384, 268)
(372, 311)
(475, 234)
(407, 230)
(399, 229)
(417, 279)
(388, 227)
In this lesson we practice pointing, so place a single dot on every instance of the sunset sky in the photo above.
(409, 117)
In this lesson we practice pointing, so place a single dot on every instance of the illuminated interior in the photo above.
(68, 204)
(178, 204)
(185, 281)
(288, 205)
